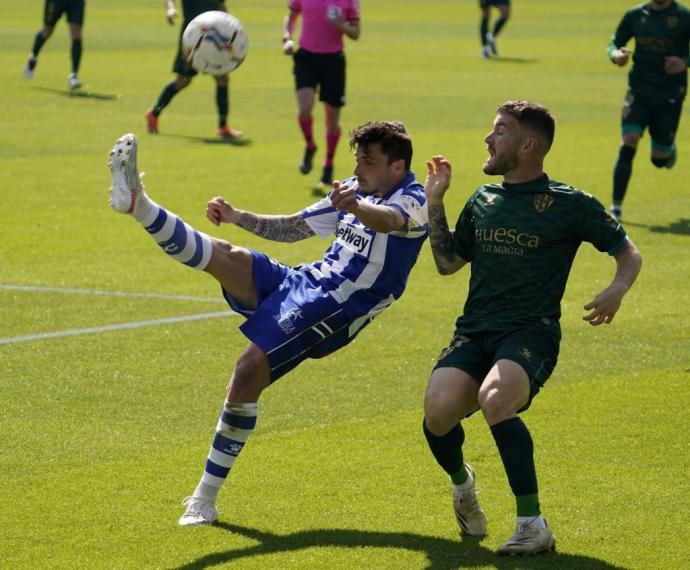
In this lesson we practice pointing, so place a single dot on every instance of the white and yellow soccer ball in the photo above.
(215, 43)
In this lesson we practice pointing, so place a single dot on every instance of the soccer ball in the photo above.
(215, 43)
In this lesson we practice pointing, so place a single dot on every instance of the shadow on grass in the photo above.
(441, 553)
(84, 94)
(232, 141)
(320, 191)
(681, 227)
(501, 59)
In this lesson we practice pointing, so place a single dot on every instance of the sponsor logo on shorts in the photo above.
(526, 354)
(286, 321)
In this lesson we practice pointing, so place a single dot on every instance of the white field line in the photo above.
(116, 327)
(39, 289)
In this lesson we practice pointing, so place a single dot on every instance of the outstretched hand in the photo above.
(219, 211)
(605, 305)
(674, 65)
(171, 14)
(438, 175)
(344, 197)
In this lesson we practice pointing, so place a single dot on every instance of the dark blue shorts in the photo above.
(295, 318)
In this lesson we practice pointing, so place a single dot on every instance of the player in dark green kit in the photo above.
(185, 72)
(487, 38)
(520, 237)
(52, 12)
(657, 84)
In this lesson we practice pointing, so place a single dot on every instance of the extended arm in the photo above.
(606, 304)
(289, 29)
(382, 219)
(350, 28)
(616, 50)
(440, 236)
(276, 228)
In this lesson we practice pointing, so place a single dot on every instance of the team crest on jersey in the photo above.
(490, 199)
(286, 320)
(542, 201)
(672, 21)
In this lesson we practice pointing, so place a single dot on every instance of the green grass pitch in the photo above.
(103, 433)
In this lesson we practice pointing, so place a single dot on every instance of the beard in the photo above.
(499, 165)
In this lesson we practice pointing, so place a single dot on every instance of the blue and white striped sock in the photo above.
(176, 238)
(234, 427)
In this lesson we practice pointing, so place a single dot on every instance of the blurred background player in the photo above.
(185, 72)
(52, 11)
(488, 39)
(320, 61)
(657, 84)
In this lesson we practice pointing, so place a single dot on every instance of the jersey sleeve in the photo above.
(624, 32)
(352, 11)
(411, 203)
(463, 237)
(321, 217)
(596, 226)
(295, 5)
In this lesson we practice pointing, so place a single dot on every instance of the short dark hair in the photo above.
(533, 116)
(395, 143)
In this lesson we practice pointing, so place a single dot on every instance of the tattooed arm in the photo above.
(277, 228)
(440, 236)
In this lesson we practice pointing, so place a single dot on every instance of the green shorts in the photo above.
(180, 65)
(660, 116)
(534, 347)
(54, 9)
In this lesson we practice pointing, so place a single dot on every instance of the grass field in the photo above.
(102, 433)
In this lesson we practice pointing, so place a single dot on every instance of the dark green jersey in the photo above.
(521, 240)
(658, 34)
(192, 8)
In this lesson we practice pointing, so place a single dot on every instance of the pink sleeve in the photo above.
(295, 5)
(352, 12)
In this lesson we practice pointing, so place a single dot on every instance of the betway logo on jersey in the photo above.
(353, 238)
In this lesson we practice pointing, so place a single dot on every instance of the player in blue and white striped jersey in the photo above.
(379, 222)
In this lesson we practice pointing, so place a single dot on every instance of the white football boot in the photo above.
(529, 538)
(30, 66)
(73, 81)
(199, 512)
(126, 181)
(468, 513)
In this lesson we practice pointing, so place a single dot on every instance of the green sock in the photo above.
(528, 505)
(459, 477)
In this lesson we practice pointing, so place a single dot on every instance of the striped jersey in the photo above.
(365, 270)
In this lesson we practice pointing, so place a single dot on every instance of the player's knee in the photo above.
(226, 255)
(440, 412)
(494, 405)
